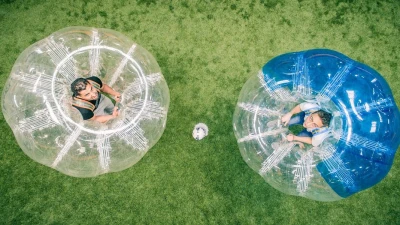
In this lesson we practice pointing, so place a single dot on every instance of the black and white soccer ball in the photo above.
(200, 131)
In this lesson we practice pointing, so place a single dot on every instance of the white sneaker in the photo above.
(274, 123)
(275, 145)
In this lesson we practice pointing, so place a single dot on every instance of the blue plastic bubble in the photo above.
(364, 131)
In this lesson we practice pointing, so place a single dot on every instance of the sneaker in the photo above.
(275, 145)
(274, 123)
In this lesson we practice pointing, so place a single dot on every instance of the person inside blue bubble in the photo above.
(87, 97)
(314, 120)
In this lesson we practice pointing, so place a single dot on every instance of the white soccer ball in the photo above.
(200, 131)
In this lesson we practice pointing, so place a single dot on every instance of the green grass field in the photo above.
(206, 50)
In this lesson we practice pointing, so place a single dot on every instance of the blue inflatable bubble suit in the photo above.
(37, 101)
(364, 131)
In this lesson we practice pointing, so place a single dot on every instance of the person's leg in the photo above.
(105, 106)
(109, 106)
(297, 119)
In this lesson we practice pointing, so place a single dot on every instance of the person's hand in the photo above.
(286, 118)
(117, 97)
(290, 137)
(115, 112)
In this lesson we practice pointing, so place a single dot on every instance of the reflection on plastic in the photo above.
(364, 130)
(36, 101)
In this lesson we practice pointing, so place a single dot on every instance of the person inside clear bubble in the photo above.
(314, 120)
(87, 97)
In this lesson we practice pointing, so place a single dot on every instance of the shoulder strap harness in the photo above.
(94, 84)
(82, 104)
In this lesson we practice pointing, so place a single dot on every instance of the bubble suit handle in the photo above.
(37, 101)
(364, 131)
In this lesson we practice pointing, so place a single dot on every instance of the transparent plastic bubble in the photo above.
(36, 101)
(364, 131)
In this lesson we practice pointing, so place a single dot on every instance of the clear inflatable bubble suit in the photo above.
(365, 127)
(36, 101)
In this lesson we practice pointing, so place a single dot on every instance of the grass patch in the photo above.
(206, 51)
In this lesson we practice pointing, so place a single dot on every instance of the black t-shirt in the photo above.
(85, 107)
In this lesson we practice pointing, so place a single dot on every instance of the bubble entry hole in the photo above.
(79, 125)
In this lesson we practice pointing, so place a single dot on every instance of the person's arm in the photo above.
(105, 118)
(107, 89)
(307, 140)
(287, 116)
